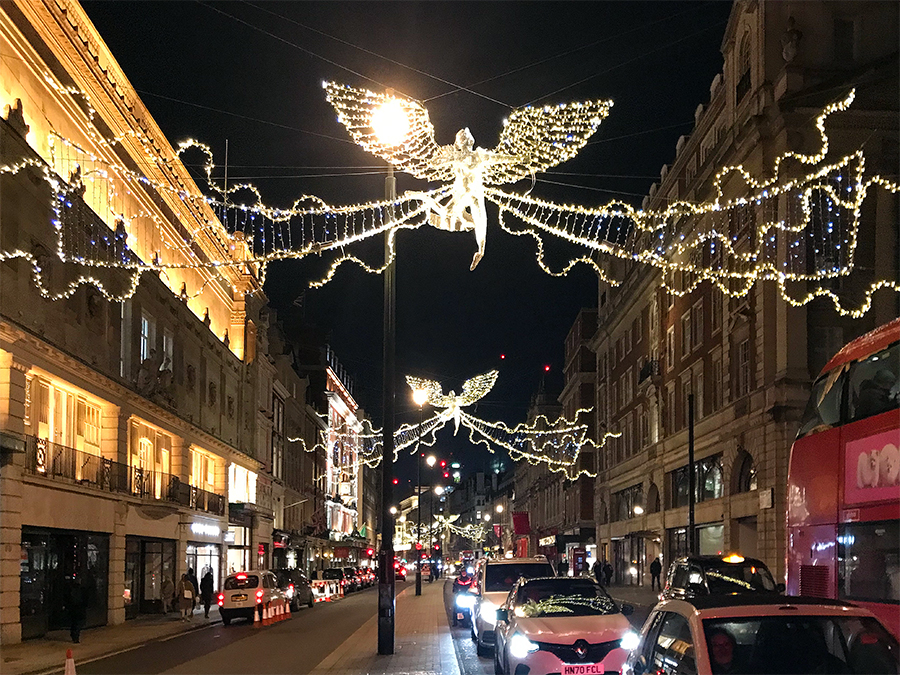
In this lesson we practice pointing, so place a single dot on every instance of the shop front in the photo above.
(204, 550)
(51, 562)
(148, 562)
(237, 539)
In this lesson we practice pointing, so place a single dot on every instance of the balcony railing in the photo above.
(649, 369)
(43, 458)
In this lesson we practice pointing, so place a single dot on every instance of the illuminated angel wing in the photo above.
(536, 139)
(476, 387)
(414, 155)
(435, 393)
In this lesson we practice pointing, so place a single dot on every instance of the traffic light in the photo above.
(443, 464)
(418, 546)
(396, 481)
(437, 547)
(370, 552)
(446, 475)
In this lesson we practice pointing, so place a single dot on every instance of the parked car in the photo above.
(693, 576)
(246, 593)
(762, 633)
(494, 579)
(549, 625)
(353, 581)
(337, 574)
(296, 587)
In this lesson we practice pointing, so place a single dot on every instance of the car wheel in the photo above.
(498, 669)
(226, 620)
(311, 600)
(482, 650)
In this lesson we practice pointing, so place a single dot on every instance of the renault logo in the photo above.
(581, 649)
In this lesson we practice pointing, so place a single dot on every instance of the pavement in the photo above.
(48, 654)
(423, 643)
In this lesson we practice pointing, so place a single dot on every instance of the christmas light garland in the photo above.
(798, 232)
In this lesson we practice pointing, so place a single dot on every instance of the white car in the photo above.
(565, 625)
(246, 593)
(494, 580)
(762, 634)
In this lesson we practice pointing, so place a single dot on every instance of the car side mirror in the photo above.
(502, 615)
(627, 610)
(780, 588)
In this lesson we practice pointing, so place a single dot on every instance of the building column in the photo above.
(116, 585)
(12, 414)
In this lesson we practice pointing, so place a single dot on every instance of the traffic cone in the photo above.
(256, 622)
(281, 612)
(70, 663)
(287, 611)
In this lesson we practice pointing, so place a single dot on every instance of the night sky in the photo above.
(251, 73)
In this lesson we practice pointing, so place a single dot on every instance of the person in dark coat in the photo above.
(195, 583)
(76, 604)
(655, 571)
(206, 591)
(597, 571)
(607, 572)
(563, 568)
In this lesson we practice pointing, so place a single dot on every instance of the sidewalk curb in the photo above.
(116, 652)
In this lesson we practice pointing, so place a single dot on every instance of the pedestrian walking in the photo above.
(206, 591)
(563, 568)
(607, 572)
(597, 571)
(655, 571)
(186, 593)
(168, 594)
(195, 583)
(76, 605)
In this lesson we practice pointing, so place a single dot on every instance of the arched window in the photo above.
(711, 485)
(745, 473)
(743, 68)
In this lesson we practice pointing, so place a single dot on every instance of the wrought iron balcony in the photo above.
(649, 369)
(59, 462)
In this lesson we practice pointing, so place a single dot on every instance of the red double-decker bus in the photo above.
(843, 502)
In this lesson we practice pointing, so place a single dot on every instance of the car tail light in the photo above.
(221, 599)
(259, 595)
(241, 576)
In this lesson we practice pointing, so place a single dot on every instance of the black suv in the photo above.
(695, 576)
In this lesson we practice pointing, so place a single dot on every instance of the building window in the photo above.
(716, 309)
(147, 335)
(685, 334)
(670, 347)
(638, 328)
(629, 386)
(697, 324)
(625, 501)
(743, 69)
(746, 474)
(27, 417)
(698, 394)
(686, 390)
(708, 482)
(168, 346)
(670, 407)
(743, 368)
(277, 437)
(718, 398)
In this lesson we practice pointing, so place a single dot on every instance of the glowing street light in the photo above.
(390, 122)
(431, 460)
(499, 508)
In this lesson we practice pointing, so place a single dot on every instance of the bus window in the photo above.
(824, 408)
(869, 561)
(874, 383)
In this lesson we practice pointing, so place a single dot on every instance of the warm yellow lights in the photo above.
(420, 396)
(797, 227)
(431, 460)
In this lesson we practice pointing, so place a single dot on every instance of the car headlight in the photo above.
(489, 612)
(630, 641)
(465, 600)
(520, 646)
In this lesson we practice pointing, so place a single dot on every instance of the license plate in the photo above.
(583, 669)
(460, 615)
(239, 597)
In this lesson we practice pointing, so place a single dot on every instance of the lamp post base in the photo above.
(386, 604)
(419, 579)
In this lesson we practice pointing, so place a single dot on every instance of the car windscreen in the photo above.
(332, 574)
(562, 597)
(501, 577)
(285, 578)
(737, 578)
(241, 582)
(797, 645)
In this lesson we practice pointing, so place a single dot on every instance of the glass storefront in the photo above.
(49, 561)
(147, 563)
(238, 552)
(203, 557)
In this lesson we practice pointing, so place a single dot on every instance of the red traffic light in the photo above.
(502, 356)
(546, 369)
(370, 552)
(437, 547)
(443, 464)
(396, 481)
(418, 546)
(446, 475)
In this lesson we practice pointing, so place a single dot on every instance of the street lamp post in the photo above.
(419, 396)
(390, 125)
(438, 490)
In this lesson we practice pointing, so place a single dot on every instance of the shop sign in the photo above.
(547, 541)
(402, 547)
(229, 537)
(206, 530)
(341, 551)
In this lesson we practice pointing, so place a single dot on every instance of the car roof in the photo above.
(718, 559)
(515, 561)
(760, 600)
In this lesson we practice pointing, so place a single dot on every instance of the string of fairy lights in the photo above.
(798, 231)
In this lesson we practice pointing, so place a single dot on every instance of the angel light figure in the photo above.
(474, 389)
(532, 140)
